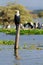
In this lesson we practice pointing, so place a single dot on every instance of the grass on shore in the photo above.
(23, 32)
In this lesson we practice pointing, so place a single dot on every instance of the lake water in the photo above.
(40, 20)
(27, 57)
(28, 39)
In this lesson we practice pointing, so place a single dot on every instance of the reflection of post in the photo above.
(16, 54)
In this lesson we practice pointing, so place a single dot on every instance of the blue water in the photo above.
(28, 39)
(40, 20)
(27, 57)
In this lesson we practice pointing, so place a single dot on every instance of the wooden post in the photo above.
(17, 42)
(17, 37)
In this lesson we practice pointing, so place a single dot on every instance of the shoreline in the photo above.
(23, 32)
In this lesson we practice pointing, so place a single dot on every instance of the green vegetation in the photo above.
(26, 15)
(8, 31)
(8, 42)
(9, 11)
(25, 46)
(23, 32)
(31, 47)
(32, 31)
(38, 12)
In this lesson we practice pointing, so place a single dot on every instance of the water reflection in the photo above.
(27, 57)
(17, 57)
(17, 62)
(16, 54)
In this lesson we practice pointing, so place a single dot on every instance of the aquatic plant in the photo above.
(8, 42)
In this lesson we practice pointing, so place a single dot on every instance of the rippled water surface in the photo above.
(27, 57)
